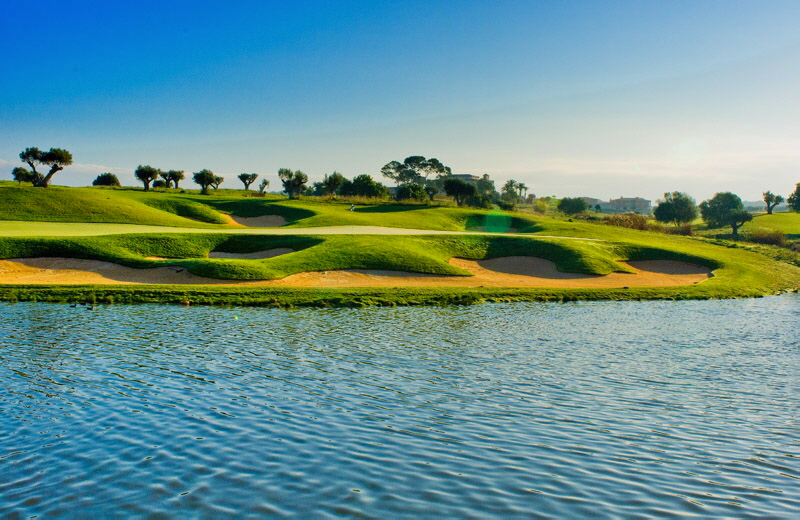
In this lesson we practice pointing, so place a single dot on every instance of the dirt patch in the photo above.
(497, 272)
(262, 221)
(268, 253)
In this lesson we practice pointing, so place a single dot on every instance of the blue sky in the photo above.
(572, 98)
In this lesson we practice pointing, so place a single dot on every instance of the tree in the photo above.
(771, 200)
(332, 182)
(725, 209)
(459, 190)
(678, 208)
(248, 179)
(414, 169)
(21, 175)
(294, 183)
(146, 174)
(173, 176)
(520, 188)
(204, 178)
(106, 179)
(217, 181)
(263, 186)
(411, 191)
(56, 158)
(794, 199)
(363, 186)
(572, 205)
(509, 192)
(485, 186)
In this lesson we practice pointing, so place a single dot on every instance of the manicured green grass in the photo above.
(59, 204)
(574, 246)
(786, 222)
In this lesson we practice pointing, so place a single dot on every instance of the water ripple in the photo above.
(603, 410)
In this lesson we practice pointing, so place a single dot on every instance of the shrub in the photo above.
(106, 179)
(766, 236)
(411, 191)
(481, 200)
(159, 184)
(629, 220)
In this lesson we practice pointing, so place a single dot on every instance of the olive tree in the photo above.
(172, 177)
(725, 209)
(332, 182)
(678, 208)
(294, 182)
(204, 178)
(248, 179)
(794, 199)
(146, 174)
(21, 175)
(56, 158)
(771, 200)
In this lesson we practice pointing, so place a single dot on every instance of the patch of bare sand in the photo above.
(77, 271)
(267, 253)
(262, 221)
(512, 271)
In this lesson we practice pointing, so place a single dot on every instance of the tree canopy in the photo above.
(794, 199)
(172, 177)
(21, 174)
(204, 178)
(678, 208)
(771, 200)
(572, 205)
(332, 182)
(459, 190)
(725, 209)
(56, 158)
(363, 186)
(294, 182)
(146, 174)
(248, 179)
(106, 179)
(411, 191)
(414, 169)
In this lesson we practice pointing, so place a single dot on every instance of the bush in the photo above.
(159, 184)
(482, 201)
(766, 236)
(412, 191)
(629, 220)
(106, 179)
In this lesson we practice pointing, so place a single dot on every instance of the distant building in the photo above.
(635, 204)
(620, 205)
(466, 177)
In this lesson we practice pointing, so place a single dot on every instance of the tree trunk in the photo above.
(53, 170)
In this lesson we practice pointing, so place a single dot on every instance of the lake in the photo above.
(524, 410)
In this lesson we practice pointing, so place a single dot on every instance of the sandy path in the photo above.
(499, 272)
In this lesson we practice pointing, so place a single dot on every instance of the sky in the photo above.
(572, 98)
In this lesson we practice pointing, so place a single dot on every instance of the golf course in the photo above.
(105, 245)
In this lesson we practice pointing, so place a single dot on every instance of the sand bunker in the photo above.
(268, 253)
(512, 271)
(262, 221)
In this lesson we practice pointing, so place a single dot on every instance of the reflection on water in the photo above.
(607, 409)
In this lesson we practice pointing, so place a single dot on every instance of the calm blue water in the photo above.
(601, 410)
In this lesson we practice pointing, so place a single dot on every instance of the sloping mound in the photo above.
(262, 221)
(269, 253)
(497, 272)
